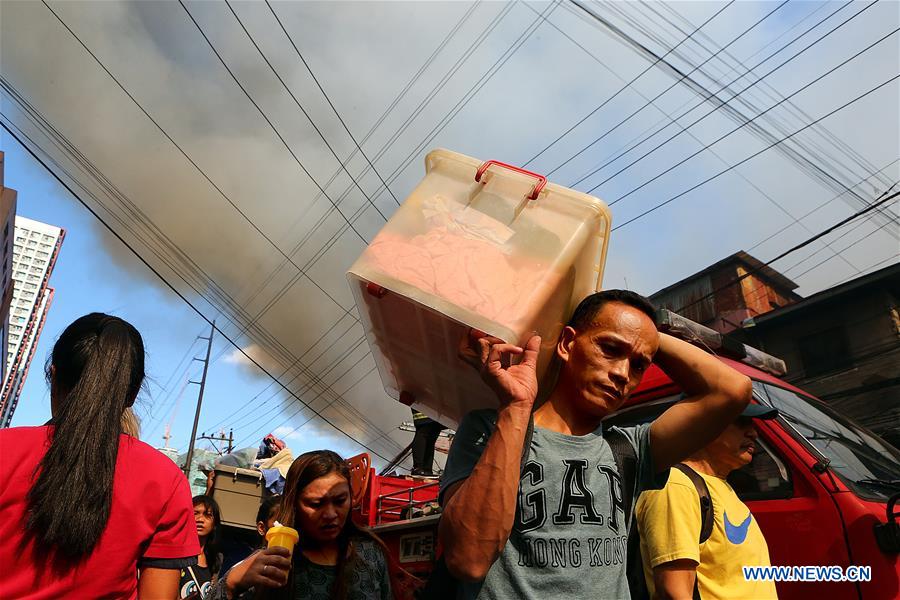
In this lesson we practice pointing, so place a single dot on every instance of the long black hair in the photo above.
(211, 544)
(95, 372)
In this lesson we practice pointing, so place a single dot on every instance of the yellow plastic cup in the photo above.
(279, 535)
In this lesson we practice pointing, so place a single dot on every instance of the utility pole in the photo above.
(220, 438)
(202, 384)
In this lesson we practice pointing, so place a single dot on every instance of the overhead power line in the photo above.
(626, 86)
(249, 405)
(851, 245)
(269, 121)
(164, 248)
(182, 151)
(208, 179)
(754, 155)
(893, 222)
(267, 425)
(378, 122)
(305, 422)
(831, 164)
(167, 390)
(875, 204)
(207, 284)
(871, 267)
(824, 204)
(293, 96)
(337, 235)
(706, 95)
(327, 98)
(467, 97)
(176, 291)
(815, 170)
(741, 126)
(846, 153)
(406, 124)
(674, 84)
(251, 416)
(476, 87)
(674, 121)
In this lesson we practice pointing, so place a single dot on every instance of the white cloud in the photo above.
(287, 433)
(236, 357)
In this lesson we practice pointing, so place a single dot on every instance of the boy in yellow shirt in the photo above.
(677, 564)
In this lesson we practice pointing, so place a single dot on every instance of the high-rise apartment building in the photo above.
(7, 231)
(35, 249)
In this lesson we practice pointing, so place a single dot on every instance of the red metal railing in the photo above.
(407, 504)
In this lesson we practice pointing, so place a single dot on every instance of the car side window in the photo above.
(765, 478)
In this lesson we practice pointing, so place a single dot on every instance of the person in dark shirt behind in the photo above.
(427, 433)
(196, 580)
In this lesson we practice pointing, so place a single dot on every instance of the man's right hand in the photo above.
(514, 384)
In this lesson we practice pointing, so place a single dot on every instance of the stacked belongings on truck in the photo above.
(202, 463)
(274, 459)
(242, 479)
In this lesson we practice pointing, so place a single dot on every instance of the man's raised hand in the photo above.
(492, 357)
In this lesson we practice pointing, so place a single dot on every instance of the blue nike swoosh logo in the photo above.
(736, 534)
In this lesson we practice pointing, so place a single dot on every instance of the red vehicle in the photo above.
(819, 485)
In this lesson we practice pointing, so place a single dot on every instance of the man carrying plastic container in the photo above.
(552, 521)
(696, 534)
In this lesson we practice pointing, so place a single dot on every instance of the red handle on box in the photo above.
(542, 181)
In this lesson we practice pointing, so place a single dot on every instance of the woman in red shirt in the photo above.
(83, 506)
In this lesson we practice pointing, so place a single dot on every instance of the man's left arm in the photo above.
(675, 580)
(158, 584)
(715, 396)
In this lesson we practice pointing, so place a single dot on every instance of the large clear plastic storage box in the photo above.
(479, 245)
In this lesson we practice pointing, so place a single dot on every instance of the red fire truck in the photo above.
(819, 485)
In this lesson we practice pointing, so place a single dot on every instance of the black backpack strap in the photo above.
(625, 458)
(707, 515)
(626, 463)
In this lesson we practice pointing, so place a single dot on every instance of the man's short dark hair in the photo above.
(590, 307)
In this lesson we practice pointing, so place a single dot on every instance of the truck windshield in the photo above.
(866, 463)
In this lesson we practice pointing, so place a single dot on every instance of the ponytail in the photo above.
(95, 372)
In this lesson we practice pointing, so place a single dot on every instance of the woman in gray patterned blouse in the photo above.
(334, 559)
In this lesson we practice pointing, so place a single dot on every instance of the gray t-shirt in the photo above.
(571, 531)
